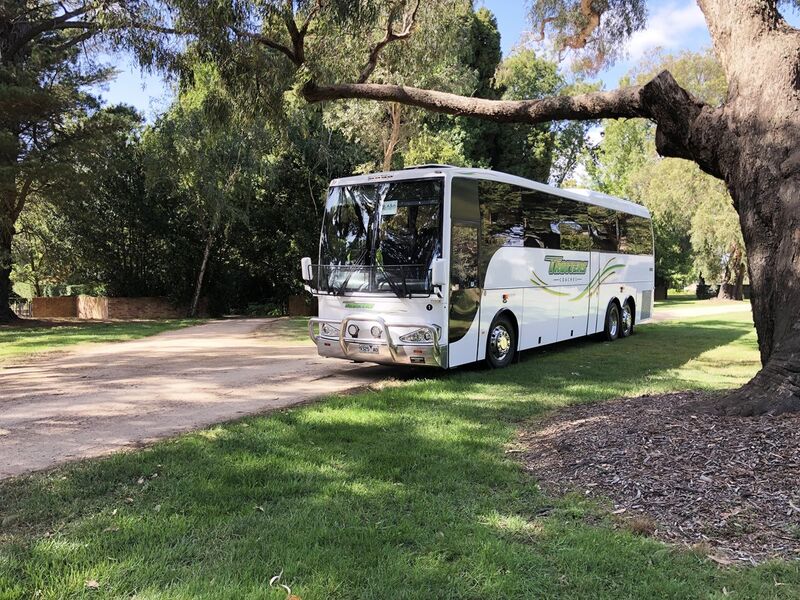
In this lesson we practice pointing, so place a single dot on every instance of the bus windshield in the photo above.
(381, 237)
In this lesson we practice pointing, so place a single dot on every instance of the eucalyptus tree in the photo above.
(205, 150)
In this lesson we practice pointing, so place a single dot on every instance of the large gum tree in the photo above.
(751, 141)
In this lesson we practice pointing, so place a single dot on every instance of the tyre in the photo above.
(501, 345)
(611, 331)
(626, 319)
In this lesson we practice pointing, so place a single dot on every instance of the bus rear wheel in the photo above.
(501, 345)
(613, 323)
(626, 319)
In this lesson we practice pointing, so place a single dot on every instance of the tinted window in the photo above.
(541, 217)
(501, 214)
(635, 235)
(573, 225)
(603, 227)
(554, 222)
(464, 291)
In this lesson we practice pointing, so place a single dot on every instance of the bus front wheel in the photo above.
(501, 344)
(613, 323)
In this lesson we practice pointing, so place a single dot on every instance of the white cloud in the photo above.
(671, 25)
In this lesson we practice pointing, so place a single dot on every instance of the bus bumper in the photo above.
(383, 350)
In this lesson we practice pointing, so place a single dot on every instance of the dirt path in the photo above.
(105, 397)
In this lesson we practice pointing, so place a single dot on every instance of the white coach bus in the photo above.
(443, 266)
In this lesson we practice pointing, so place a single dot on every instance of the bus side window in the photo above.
(635, 236)
(501, 214)
(541, 217)
(603, 228)
(573, 225)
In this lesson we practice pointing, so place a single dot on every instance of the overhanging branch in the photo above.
(624, 102)
(686, 127)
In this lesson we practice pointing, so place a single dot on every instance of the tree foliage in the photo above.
(696, 226)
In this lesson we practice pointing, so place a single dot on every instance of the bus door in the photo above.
(465, 291)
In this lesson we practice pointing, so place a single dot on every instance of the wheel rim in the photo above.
(613, 322)
(627, 318)
(499, 343)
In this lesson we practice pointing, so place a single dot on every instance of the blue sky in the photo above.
(672, 25)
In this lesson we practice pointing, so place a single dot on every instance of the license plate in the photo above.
(368, 348)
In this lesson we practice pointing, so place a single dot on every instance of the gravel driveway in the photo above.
(105, 397)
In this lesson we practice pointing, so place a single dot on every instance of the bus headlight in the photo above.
(417, 336)
(329, 330)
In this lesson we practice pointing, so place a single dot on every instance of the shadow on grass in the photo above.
(403, 492)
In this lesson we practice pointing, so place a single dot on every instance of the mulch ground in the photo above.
(727, 485)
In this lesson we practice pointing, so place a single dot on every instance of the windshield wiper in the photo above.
(393, 284)
(340, 290)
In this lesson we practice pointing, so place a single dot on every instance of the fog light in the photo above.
(353, 330)
(376, 331)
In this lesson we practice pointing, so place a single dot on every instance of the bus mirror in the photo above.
(305, 266)
(439, 271)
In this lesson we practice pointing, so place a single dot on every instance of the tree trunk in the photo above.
(725, 291)
(10, 207)
(6, 237)
(395, 118)
(201, 276)
(738, 284)
(770, 218)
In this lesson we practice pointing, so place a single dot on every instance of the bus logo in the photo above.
(560, 266)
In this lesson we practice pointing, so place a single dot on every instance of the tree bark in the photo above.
(624, 102)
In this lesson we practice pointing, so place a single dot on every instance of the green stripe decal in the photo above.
(601, 277)
(536, 280)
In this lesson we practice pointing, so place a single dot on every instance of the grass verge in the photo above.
(17, 341)
(682, 300)
(408, 491)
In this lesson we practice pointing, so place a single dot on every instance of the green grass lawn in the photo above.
(683, 300)
(24, 340)
(407, 491)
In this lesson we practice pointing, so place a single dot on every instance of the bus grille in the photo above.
(647, 304)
